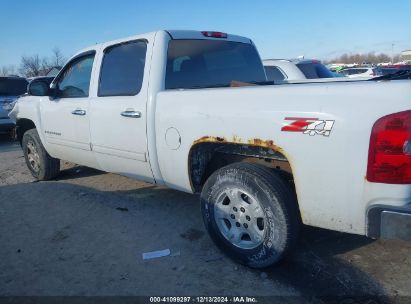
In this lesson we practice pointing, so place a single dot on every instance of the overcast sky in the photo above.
(320, 29)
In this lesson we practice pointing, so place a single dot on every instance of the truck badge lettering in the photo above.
(52, 133)
(310, 126)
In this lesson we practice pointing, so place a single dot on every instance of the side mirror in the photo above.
(38, 88)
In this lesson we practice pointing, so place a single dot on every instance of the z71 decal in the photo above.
(310, 126)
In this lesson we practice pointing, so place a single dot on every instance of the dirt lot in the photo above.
(84, 234)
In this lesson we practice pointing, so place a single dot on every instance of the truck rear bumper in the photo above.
(389, 222)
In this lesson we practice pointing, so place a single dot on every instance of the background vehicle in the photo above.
(283, 70)
(406, 67)
(46, 79)
(337, 75)
(386, 71)
(393, 69)
(10, 89)
(161, 107)
(361, 72)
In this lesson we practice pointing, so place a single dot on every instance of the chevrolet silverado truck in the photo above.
(194, 111)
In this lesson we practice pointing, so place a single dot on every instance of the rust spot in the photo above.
(237, 140)
(206, 139)
(263, 143)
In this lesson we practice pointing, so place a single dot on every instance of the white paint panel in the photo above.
(329, 171)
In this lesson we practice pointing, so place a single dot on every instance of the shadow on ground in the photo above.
(64, 239)
(316, 270)
(7, 143)
(78, 172)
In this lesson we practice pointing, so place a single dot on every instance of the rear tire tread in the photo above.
(286, 197)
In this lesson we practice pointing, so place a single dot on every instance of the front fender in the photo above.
(14, 112)
(28, 108)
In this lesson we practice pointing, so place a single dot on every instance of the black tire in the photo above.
(12, 134)
(44, 167)
(279, 228)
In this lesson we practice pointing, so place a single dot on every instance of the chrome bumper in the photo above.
(388, 222)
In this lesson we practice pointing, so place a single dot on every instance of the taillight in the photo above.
(214, 34)
(389, 156)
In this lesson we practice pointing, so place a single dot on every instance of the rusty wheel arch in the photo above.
(209, 154)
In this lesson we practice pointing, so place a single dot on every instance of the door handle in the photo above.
(79, 112)
(131, 113)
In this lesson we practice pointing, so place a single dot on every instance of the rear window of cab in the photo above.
(211, 63)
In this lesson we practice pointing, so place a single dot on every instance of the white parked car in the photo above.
(361, 72)
(283, 70)
(161, 107)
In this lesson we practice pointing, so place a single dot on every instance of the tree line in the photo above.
(371, 57)
(35, 65)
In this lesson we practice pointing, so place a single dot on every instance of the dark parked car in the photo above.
(46, 79)
(10, 89)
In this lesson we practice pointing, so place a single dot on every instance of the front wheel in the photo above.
(41, 165)
(250, 213)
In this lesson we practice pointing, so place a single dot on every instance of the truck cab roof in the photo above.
(187, 34)
(174, 34)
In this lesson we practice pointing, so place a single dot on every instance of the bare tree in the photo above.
(383, 58)
(8, 70)
(30, 66)
(4, 71)
(57, 59)
(344, 58)
(371, 57)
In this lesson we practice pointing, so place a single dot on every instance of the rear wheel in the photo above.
(41, 165)
(251, 213)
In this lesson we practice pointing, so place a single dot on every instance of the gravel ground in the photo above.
(84, 234)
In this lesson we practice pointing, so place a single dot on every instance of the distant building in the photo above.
(406, 55)
(50, 71)
(53, 71)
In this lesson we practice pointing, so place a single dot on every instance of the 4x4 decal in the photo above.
(311, 126)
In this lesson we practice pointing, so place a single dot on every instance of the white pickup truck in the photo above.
(193, 111)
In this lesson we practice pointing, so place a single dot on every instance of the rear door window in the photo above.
(274, 73)
(314, 70)
(211, 63)
(122, 69)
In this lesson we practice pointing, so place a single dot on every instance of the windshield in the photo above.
(13, 86)
(211, 63)
(314, 70)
